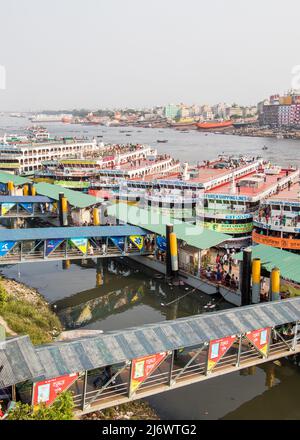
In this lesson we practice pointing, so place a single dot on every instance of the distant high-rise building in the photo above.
(172, 111)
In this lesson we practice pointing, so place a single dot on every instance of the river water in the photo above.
(122, 295)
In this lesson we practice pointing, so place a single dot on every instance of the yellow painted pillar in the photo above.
(96, 217)
(33, 191)
(256, 271)
(174, 253)
(10, 187)
(25, 190)
(275, 284)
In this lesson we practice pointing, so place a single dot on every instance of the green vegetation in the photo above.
(61, 409)
(28, 317)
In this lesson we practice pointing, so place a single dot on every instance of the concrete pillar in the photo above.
(256, 271)
(246, 277)
(275, 284)
(270, 374)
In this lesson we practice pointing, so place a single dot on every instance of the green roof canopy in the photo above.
(17, 180)
(75, 198)
(153, 221)
(287, 262)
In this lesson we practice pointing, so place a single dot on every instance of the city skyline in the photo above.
(126, 55)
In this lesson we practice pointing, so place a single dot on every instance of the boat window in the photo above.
(296, 208)
(286, 208)
(276, 207)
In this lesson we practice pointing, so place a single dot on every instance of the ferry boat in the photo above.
(26, 157)
(277, 222)
(222, 195)
(213, 125)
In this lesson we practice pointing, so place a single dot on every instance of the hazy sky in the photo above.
(109, 53)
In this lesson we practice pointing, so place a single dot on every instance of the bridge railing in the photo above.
(188, 368)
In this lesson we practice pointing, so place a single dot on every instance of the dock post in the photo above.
(256, 271)
(25, 190)
(174, 254)
(33, 190)
(246, 277)
(10, 187)
(169, 230)
(275, 284)
(96, 217)
(63, 210)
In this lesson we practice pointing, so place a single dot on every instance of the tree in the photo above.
(61, 409)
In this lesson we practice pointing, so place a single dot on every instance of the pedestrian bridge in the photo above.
(25, 207)
(120, 366)
(69, 243)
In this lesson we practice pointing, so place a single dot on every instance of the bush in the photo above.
(3, 295)
(61, 409)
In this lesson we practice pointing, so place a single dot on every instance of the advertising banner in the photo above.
(161, 243)
(52, 244)
(80, 243)
(5, 207)
(28, 207)
(283, 243)
(46, 391)
(119, 242)
(137, 240)
(232, 228)
(143, 367)
(5, 247)
(260, 339)
(217, 349)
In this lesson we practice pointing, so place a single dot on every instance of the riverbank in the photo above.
(129, 411)
(24, 311)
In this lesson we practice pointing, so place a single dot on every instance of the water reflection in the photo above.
(120, 287)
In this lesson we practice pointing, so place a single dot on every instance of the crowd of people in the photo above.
(222, 271)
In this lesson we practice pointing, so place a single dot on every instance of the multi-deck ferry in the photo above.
(277, 223)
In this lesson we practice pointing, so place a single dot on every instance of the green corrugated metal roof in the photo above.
(17, 180)
(75, 198)
(287, 262)
(155, 222)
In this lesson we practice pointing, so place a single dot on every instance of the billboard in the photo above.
(46, 391)
(119, 242)
(260, 339)
(142, 367)
(217, 349)
(80, 243)
(52, 244)
(138, 241)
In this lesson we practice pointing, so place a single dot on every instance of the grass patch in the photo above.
(24, 318)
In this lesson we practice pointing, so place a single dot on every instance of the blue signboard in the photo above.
(119, 242)
(5, 247)
(161, 243)
(52, 244)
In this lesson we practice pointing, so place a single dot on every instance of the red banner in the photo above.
(260, 339)
(143, 367)
(217, 349)
(46, 391)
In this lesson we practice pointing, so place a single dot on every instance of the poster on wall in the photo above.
(143, 367)
(46, 391)
(260, 339)
(137, 240)
(217, 349)
(80, 243)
